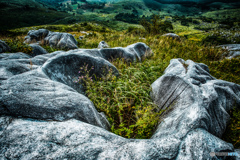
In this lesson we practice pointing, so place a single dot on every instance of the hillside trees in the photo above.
(155, 25)
(127, 17)
(70, 7)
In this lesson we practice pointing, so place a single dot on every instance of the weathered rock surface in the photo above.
(195, 117)
(34, 95)
(37, 50)
(65, 67)
(234, 50)
(81, 37)
(41, 59)
(13, 64)
(54, 39)
(16, 63)
(103, 44)
(173, 36)
(238, 152)
(193, 99)
(4, 47)
(132, 53)
(36, 35)
(19, 55)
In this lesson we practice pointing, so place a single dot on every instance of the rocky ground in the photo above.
(46, 115)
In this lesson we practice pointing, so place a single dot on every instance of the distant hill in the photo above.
(23, 13)
(194, 1)
(111, 13)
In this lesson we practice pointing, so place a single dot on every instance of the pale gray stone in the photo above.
(4, 47)
(34, 95)
(103, 44)
(173, 36)
(233, 50)
(53, 39)
(37, 50)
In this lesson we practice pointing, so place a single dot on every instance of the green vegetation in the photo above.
(16, 44)
(156, 25)
(224, 36)
(232, 133)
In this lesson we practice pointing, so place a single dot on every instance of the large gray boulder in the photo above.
(27, 87)
(36, 35)
(65, 68)
(53, 39)
(34, 95)
(187, 88)
(16, 63)
(4, 47)
(37, 50)
(193, 99)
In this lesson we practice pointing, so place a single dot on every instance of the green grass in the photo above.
(125, 99)
(232, 133)
(223, 14)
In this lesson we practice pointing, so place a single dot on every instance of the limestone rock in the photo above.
(34, 95)
(238, 152)
(4, 122)
(16, 63)
(72, 139)
(61, 40)
(65, 68)
(37, 50)
(13, 64)
(36, 35)
(41, 59)
(194, 97)
(173, 36)
(19, 55)
(234, 50)
(4, 47)
(81, 37)
(83, 32)
(54, 39)
(103, 44)
(132, 53)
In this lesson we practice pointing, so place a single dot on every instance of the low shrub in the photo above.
(222, 36)
(232, 133)
(17, 45)
(156, 25)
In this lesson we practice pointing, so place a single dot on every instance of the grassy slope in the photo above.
(222, 14)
